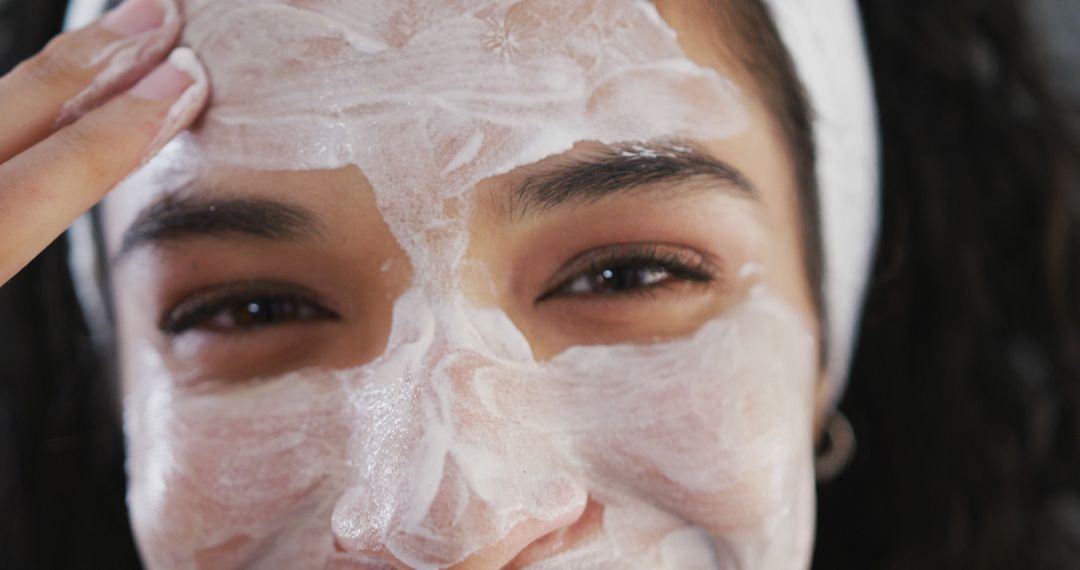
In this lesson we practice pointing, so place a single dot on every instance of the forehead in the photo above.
(444, 93)
(428, 99)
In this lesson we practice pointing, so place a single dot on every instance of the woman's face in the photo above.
(442, 349)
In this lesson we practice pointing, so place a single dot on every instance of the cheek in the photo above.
(724, 460)
(717, 429)
(712, 432)
(217, 476)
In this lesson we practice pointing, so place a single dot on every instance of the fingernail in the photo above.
(184, 75)
(164, 82)
(134, 17)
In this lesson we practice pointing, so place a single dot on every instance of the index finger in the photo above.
(43, 189)
(77, 71)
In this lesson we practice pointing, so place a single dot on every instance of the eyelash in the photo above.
(265, 304)
(235, 301)
(675, 264)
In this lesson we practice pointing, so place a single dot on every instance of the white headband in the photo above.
(825, 40)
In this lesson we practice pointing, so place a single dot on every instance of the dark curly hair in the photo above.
(965, 388)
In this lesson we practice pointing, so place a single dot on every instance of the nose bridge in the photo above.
(439, 472)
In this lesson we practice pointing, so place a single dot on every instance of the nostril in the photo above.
(388, 560)
(588, 525)
(532, 541)
(470, 539)
(369, 556)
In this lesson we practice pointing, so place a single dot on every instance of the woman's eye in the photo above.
(613, 280)
(233, 309)
(630, 269)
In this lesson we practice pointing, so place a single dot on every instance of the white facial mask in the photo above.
(697, 450)
(430, 98)
(696, 453)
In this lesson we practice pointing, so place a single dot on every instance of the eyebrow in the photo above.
(616, 169)
(171, 218)
(596, 174)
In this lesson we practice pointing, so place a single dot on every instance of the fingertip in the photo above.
(121, 46)
(165, 82)
(182, 76)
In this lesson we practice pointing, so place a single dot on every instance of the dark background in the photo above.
(61, 458)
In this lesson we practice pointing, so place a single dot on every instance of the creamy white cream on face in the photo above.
(697, 451)
(441, 446)
(429, 98)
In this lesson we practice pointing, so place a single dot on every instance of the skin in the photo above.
(48, 175)
(350, 271)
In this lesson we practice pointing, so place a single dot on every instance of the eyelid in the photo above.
(695, 265)
(207, 301)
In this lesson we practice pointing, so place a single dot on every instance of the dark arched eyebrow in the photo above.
(581, 177)
(602, 171)
(173, 218)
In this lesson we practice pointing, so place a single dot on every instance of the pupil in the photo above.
(626, 278)
(262, 312)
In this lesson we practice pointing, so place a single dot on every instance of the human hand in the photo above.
(82, 114)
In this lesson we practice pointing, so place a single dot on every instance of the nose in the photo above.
(519, 539)
(443, 477)
(497, 555)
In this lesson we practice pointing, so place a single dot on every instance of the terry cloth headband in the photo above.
(825, 39)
